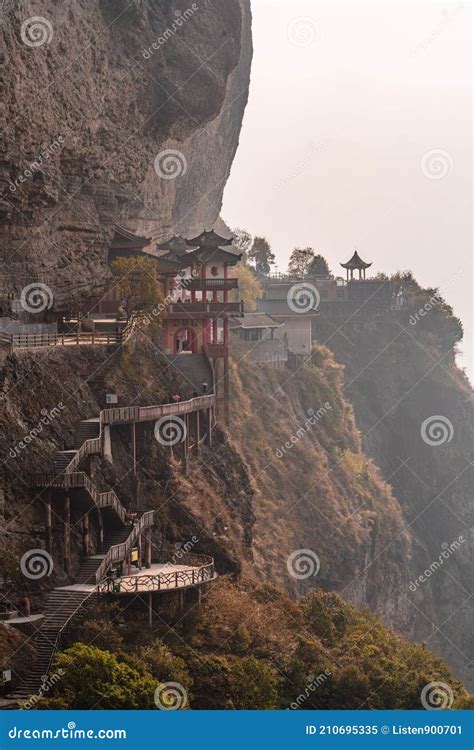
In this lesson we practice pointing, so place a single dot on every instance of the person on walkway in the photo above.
(176, 398)
(195, 393)
(205, 386)
(25, 605)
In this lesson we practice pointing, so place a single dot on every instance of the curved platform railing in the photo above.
(199, 569)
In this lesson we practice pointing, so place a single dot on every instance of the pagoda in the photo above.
(355, 264)
(196, 320)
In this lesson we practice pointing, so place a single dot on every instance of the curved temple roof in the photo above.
(356, 262)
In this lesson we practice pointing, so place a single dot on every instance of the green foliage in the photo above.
(137, 282)
(250, 289)
(301, 260)
(319, 267)
(96, 679)
(243, 241)
(261, 256)
(253, 684)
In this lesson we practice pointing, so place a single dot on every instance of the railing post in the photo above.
(48, 522)
(67, 534)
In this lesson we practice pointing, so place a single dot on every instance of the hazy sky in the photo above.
(358, 133)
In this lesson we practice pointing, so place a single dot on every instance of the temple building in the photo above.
(355, 264)
(258, 334)
(195, 283)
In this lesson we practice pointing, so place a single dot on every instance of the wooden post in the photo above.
(86, 534)
(67, 534)
(150, 609)
(226, 388)
(148, 548)
(186, 442)
(209, 431)
(133, 439)
(48, 522)
(101, 530)
(198, 433)
(139, 545)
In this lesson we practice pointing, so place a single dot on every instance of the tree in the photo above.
(300, 260)
(250, 289)
(319, 267)
(261, 255)
(96, 679)
(253, 685)
(136, 281)
(243, 241)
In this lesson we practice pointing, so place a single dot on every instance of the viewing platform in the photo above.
(192, 570)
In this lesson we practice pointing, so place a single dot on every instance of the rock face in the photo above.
(415, 411)
(92, 94)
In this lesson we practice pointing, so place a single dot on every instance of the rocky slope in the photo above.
(415, 410)
(95, 92)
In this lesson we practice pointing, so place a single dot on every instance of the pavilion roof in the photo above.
(356, 262)
(204, 255)
(255, 320)
(209, 240)
(176, 244)
(168, 265)
(123, 239)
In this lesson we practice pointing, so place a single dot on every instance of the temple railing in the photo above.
(211, 285)
(198, 569)
(201, 310)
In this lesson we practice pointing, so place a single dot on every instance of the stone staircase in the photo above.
(195, 368)
(62, 605)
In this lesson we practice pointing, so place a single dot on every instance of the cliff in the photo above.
(415, 411)
(92, 94)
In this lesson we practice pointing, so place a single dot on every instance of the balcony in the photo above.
(205, 310)
(210, 285)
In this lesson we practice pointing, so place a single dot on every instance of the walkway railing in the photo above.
(80, 480)
(37, 340)
(119, 552)
(200, 569)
